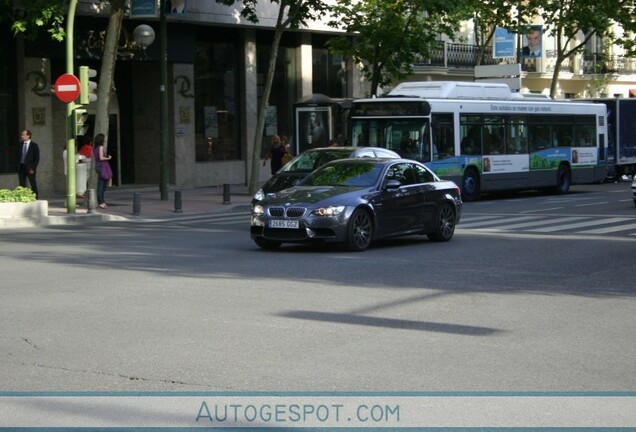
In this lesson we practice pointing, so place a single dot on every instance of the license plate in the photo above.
(285, 224)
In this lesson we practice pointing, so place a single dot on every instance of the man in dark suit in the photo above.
(533, 47)
(28, 160)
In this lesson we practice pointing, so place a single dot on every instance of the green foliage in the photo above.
(387, 37)
(28, 17)
(19, 194)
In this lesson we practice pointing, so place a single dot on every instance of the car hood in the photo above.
(307, 195)
(282, 181)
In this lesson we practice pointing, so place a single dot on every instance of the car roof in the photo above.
(353, 149)
(373, 160)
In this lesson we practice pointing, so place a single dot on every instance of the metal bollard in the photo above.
(136, 203)
(177, 202)
(226, 193)
(91, 201)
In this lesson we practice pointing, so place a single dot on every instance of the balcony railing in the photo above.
(464, 56)
(598, 63)
(456, 55)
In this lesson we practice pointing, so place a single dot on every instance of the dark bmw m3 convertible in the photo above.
(300, 166)
(356, 201)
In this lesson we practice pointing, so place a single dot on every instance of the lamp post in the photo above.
(144, 36)
(71, 201)
(163, 92)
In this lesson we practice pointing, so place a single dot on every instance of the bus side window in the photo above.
(539, 138)
(471, 143)
(517, 139)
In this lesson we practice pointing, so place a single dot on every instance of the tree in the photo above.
(291, 15)
(106, 77)
(387, 37)
(567, 20)
(27, 18)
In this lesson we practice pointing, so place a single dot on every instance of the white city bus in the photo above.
(486, 138)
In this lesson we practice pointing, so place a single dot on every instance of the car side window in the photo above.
(402, 172)
(423, 175)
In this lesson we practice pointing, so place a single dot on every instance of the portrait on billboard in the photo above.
(314, 127)
(532, 42)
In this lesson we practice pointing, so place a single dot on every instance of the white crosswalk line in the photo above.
(496, 221)
(610, 229)
(539, 223)
(584, 224)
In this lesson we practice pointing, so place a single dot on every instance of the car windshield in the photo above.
(349, 174)
(309, 161)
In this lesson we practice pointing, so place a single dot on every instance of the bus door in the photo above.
(445, 162)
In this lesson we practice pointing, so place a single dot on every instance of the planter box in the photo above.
(22, 214)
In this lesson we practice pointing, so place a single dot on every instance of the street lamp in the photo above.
(144, 36)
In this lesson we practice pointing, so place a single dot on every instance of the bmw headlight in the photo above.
(328, 211)
(259, 195)
(258, 210)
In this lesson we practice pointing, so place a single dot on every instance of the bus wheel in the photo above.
(564, 180)
(470, 185)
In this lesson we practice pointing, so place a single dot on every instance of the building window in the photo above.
(217, 119)
(329, 73)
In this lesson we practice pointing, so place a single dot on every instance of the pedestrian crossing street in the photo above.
(539, 224)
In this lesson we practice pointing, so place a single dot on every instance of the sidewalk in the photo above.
(121, 203)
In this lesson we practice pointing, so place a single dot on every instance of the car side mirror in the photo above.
(393, 184)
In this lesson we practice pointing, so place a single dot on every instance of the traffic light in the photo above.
(80, 121)
(88, 89)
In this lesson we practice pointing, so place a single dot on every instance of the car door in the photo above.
(401, 207)
(429, 194)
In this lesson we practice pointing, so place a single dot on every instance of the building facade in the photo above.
(217, 64)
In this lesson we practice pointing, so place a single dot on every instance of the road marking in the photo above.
(581, 224)
(498, 221)
(541, 210)
(539, 223)
(610, 229)
(592, 204)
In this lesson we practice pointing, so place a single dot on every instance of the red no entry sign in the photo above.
(67, 88)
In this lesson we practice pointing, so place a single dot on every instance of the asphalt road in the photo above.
(193, 305)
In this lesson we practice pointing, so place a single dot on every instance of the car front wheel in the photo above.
(444, 224)
(359, 231)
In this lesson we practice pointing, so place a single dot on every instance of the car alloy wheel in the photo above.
(360, 230)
